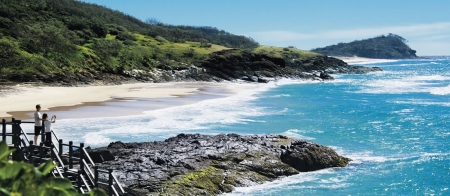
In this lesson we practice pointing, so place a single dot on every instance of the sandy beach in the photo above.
(100, 101)
(361, 60)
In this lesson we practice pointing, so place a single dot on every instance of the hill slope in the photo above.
(46, 40)
(68, 42)
(383, 47)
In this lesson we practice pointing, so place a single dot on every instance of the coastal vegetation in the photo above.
(42, 38)
(389, 46)
(69, 42)
(285, 53)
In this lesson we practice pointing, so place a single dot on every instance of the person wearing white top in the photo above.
(47, 126)
(37, 123)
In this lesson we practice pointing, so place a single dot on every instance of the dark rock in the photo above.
(226, 65)
(96, 157)
(99, 156)
(248, 66)
(325, 76)
(195, 164)
(305, 156)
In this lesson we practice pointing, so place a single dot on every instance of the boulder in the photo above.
(305, 156)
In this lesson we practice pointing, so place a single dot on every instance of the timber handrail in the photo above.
(89, 157)
(117, 182)
(57, 171)
(25, 134)
(85, 183)
(90, 173)
(36, 154)
(58, 158)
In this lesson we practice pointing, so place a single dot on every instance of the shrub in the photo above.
(189, 53)
(161, 39)
(124, 36)
(205, 45)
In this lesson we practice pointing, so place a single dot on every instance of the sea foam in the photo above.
(204, 117)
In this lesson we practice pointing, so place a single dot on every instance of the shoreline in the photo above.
(362, 60)
(105, 101)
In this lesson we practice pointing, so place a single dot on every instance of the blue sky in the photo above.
(306, 24)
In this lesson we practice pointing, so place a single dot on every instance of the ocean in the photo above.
(394, 124)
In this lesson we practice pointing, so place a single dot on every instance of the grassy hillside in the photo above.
(386, 47)
(43, 38)
(285, 53)
(72, 42)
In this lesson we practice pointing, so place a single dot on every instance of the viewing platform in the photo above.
(72, 161)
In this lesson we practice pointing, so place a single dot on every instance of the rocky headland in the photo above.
(226, 65)
(237, 64)
(194, 164)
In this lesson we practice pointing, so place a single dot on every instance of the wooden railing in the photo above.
(36, 154)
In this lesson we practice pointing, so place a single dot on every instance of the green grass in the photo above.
(285, 52)
(86, 50)
(110, 37)
(178, 49)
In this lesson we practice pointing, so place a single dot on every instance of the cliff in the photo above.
(193, 164)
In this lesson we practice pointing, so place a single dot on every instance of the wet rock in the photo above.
(194, 164)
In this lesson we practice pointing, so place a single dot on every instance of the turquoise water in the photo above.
(393, 124)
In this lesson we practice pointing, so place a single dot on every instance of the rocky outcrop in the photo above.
(240, 64)
(194, 164)
(329, 65)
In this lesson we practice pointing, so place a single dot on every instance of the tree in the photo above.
(47, 38)
(7, 53)
(153, 21)
(398, 37)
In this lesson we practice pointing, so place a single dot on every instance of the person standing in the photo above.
(47, 126)
(37, 123)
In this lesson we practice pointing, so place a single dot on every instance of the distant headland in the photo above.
(389, 46)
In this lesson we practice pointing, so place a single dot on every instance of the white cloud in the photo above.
(425, 38)
(280, 36)
(411, 31)
(431, 48)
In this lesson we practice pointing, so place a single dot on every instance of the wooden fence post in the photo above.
(3, 130)
(31, 154)
(110, 182)
(52, 153)
(81, 157)
(60, 147)
(16, 140)
(70, 155)
(41, 152)
(79, 181)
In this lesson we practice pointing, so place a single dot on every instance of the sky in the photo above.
(306, 24)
